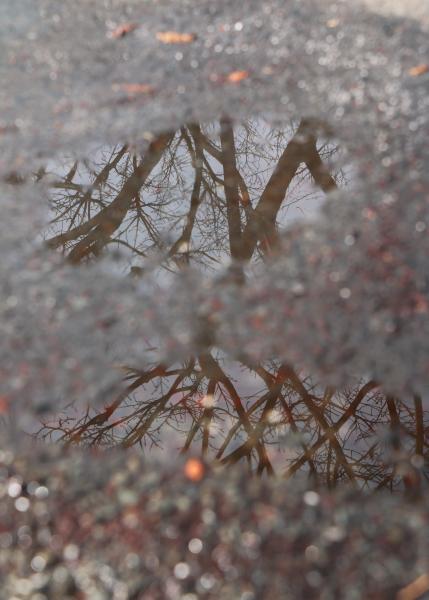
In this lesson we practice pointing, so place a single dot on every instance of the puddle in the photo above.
(239, 309)
(215, 197)
(203, 195)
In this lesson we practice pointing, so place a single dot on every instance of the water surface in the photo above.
(216, 197)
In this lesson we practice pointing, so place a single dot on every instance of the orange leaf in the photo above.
(418, 70)
(4, 405)
(237, 76)
(174, 37)
(122, 30)
(414, 590)
(194, 469)
(332, 23)
(133, 89)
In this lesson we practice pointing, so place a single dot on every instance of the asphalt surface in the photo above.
(77, 75)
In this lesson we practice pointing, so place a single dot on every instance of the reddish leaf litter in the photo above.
(108, 525)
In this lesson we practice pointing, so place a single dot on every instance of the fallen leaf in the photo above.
(332, 23)
(133, 89)
(122, 30)
(174, 37)
(194, 469)
(415, 589)
(8, 129)
(237, 76)
(418, 70)
(4, 405)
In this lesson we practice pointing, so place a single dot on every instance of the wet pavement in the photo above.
(217, 197)
(214, 266)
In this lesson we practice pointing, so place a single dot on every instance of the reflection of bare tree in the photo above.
(217, 195)
(132, 202)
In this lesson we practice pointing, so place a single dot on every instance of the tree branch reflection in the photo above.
(201, 196)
